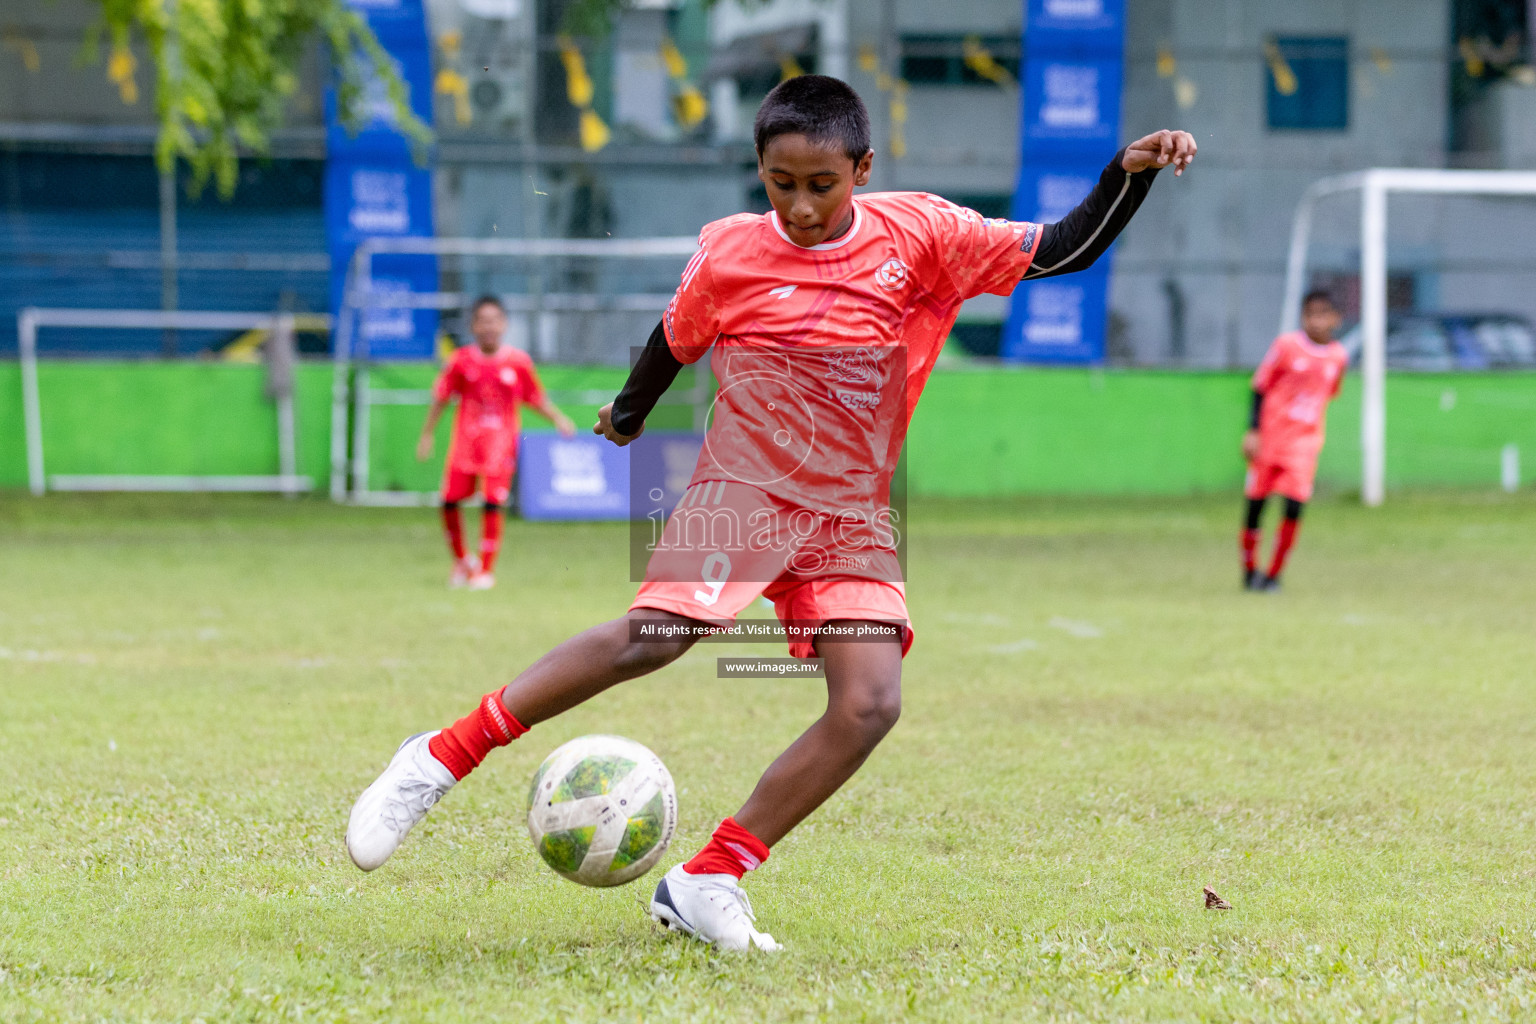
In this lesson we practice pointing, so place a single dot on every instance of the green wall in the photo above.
(161, 418)
(977, 432)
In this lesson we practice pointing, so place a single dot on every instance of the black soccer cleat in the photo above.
(1268, 584)
(1252, 578)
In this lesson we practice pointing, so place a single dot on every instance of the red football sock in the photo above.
(490, 538)
(1283, 544)
(463, 745)
(1250, 549)
(732, 850)
(453, 526)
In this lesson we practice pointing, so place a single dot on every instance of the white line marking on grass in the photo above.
(1075, 627)
(6, 654)
(984, 619)
(1017, 647)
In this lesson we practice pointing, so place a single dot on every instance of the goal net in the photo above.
(108, 406)
(1444, 298)
(579, 307)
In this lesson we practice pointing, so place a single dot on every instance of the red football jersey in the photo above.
(821, 353)
(491, 388)
(1297, 378)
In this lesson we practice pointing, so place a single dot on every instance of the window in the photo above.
(1306, 82)
(948, 60)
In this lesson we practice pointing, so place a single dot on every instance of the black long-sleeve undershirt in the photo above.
(649, 379)
(1255, 409)
(1067, 246)
(1074, 242)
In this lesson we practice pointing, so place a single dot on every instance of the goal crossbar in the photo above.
(31, 318)
(351, 388)
(1374, 186)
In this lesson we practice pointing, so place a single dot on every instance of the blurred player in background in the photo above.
(492, 381)
(825, 316)
(1292, 387)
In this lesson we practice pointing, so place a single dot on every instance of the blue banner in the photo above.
(570, 478)
(380, 132)
(660, 465)
(1071, 106)
(1072, 73)
(1081, 26)
(393, 21)
(587, 477)
(374, 188)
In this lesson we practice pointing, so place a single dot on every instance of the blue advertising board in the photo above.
(380, 132)
(375, 188)
(587, 477)
(1067, 26)
(395, 22)
(1071, 106)
(1073, 72)
(572, 478)
(660, 465)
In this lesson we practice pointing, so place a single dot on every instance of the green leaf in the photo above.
(224, 68)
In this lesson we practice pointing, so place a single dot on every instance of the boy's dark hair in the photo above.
(1318, 295)
(486, 300)
(822, 108)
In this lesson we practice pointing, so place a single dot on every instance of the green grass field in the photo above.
(1097, 723)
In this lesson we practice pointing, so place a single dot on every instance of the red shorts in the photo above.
(458, 485)
(1290, 479)
(728, 543)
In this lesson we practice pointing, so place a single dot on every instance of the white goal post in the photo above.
(30, 319)
(1374, 186)
(352, 393)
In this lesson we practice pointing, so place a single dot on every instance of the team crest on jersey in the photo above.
(853, 366)
(892, 274)
(507, 376)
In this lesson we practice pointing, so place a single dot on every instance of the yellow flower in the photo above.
(689, 106)
(578, 84)
(120, 68)
(594, 133)
(672, 57)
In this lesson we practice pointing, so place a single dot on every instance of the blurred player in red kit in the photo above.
(822, 318)
(1292, 387)
(492, 382)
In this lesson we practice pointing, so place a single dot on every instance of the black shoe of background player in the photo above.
(1253, 579)
(1267, 584)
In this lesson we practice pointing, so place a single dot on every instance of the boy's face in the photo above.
(488, 325)
(811, 186)
(1319, 319)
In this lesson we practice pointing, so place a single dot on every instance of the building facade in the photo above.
(641, 128)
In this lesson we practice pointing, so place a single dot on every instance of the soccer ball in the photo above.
(602, 810)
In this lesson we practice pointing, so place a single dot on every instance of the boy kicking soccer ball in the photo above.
(1292, 387)
(824, 317)
(491, 381)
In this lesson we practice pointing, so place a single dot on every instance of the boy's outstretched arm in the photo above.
(623, 419)
(1079, 238)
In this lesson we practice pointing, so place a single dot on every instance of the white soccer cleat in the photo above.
(482, 581)
(711, 908)
(397, 800)
(464, 570)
